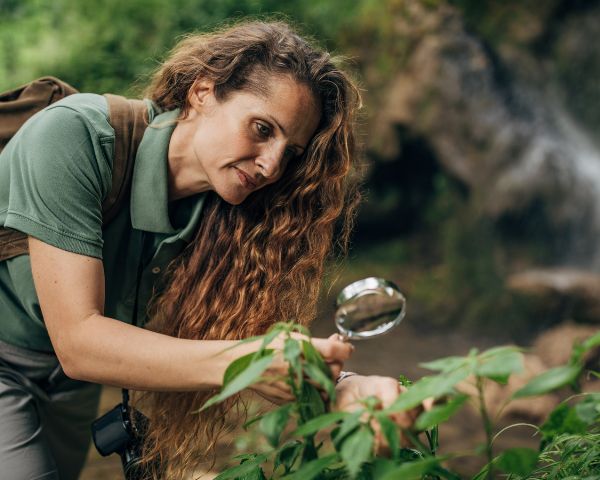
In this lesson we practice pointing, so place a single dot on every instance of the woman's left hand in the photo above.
(354, 388)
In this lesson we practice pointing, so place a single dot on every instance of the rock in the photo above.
(554, 346)
(575, 292)
(511, 142)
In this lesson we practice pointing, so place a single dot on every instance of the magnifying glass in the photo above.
(369, 307)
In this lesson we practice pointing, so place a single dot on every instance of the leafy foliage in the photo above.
(107, 45)
(306, 441)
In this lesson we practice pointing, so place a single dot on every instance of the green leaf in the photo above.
(274, 422)
(483, 473)
(291, 353)
(390, 432)
(240, 364)
(296, 327)
(310, 403)
(563, 419)
(500, 365)
(317, 375)
(350, 423)
(446, 364)
(550, 380)
(502, 350)
(357, 448)
(381, 466)
(428, 387)
(371, 403)
(236, 367)
(410, 470)
(319, 423)
(288, 454)
(291, 350)
(310, 470)
(243, 457)
(251, 422)
(588, 410)
(312, 355)
(241, 470)
(242, 380)
(592, 342)
(581, 348)
(518, 461)
(440, 413)
(271, 335)
(256, 474)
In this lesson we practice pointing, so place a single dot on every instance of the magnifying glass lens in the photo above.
(368, 308)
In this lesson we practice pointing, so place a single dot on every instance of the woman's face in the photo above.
(244, 142)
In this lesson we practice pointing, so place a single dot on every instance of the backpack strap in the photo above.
(129, 119)
(17, 105)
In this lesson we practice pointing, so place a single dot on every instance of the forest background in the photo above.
(479, 138)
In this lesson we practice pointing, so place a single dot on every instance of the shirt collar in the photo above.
(149, 185)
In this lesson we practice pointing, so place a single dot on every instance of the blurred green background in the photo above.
(479, 134)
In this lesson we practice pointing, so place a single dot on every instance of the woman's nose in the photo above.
(270, 160)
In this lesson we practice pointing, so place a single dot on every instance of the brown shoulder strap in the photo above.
(129, 119)
(17, 105)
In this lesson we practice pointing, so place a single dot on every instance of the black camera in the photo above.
(114, 432)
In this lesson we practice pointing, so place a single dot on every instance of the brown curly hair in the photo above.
(260, 262)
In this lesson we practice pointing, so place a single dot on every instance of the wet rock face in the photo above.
(577, 62)
(511, 142)
(569, 293)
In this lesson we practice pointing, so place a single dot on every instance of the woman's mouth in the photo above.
(245, 179)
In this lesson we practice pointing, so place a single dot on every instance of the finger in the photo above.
(336, 337)
(336, 369)
(274, 391)
(321, 390)
(402, 419)
(340, 341)
(332, 349)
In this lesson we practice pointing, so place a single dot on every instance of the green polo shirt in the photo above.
(54, 175)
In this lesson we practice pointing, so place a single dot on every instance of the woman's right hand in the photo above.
(333, 350)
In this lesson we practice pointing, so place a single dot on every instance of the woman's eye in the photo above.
(263, 130)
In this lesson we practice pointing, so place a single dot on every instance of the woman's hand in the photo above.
(333, 350)
(354, 388)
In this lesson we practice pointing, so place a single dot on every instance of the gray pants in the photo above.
(45, 417)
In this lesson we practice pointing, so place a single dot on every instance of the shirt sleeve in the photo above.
(60, 171)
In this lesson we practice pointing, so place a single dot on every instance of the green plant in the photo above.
(308, 441)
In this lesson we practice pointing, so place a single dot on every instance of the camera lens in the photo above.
(109, 432)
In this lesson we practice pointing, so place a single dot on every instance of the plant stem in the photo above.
(487, 425)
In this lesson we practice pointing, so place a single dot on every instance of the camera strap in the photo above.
(140, 269)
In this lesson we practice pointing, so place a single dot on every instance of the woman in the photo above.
(252, 114)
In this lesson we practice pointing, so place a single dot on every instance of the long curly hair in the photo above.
(262, 261)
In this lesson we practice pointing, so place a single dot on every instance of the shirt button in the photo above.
(156, 270)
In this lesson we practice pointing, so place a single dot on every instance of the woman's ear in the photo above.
(201, 94)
